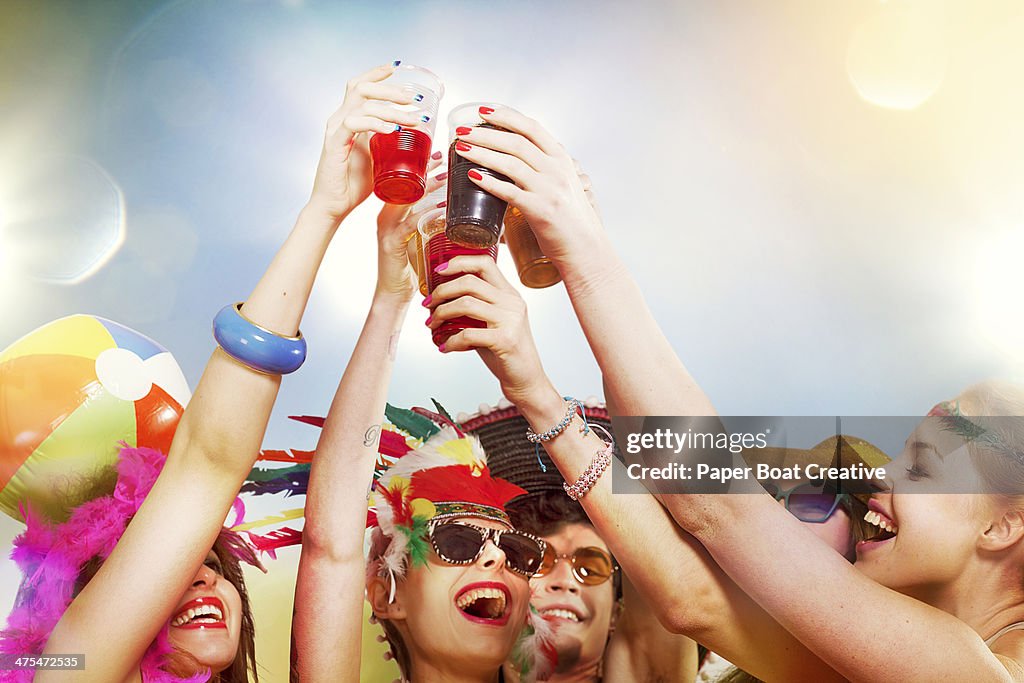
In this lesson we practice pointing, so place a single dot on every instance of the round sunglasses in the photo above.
(590, 566)
(808, 503)
(462, 543)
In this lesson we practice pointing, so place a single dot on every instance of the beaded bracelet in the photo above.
(257, 347)
(574, 408)
(602, 459)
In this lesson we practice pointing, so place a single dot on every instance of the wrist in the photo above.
(386, 300)
(592, 269)
(325, 214)
(542, 407)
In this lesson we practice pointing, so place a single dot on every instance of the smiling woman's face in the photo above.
(208, 619)
(583, 613)
(929, 534)
(465, 616)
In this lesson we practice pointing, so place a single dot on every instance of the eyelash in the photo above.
(915, 473)
(215, 566)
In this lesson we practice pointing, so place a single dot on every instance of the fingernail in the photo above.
(443, 203)
(436, 155)
(441, 268)
(442, 175)
(463, 130)
(397, 62)
(462, 146)
(441, 348)
(486, 110)
(429, 318)
(475, 174)
(418, 98)
(426, 302)
(424, 118)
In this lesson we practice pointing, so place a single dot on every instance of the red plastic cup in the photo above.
(400, 158)
(438, 249)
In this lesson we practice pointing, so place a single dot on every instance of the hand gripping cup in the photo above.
(535, 269)
(414, 248)
(438, 249)
(400, 158)
(474, 216)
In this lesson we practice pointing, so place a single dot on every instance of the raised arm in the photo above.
(642, 373)
(219, 435)
(862, 629)
(332, 574)
(687, 591)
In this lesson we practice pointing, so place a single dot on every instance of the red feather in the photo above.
(309, 419)
(457, 483)
(392, 444)
(293, 456)
(278, 538)
(395, 497)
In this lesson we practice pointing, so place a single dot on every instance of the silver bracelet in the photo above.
(602, 459)
(574, 407)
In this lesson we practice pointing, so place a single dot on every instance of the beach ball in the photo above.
(70, 391)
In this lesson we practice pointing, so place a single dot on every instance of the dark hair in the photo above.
(548, 512)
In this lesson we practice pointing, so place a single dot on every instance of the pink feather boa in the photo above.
(51, 556)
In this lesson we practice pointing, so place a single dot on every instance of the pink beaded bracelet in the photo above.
(602, 459)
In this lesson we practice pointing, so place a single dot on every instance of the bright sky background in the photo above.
(823, 201)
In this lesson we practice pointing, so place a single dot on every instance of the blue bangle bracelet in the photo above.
(256, 347)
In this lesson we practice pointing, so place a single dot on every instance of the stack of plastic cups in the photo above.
(474, 216)
(415, 246)
(438, 249)
(400, 158)
(535, 269)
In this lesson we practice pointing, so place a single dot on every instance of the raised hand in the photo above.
(506, 345)
(548, 185)
(344, 176)
(396, 224)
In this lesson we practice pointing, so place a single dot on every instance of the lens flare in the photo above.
(897, 58)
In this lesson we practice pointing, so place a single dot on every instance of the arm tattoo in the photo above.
(371, 436)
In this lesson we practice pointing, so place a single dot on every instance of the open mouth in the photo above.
(206, 612)
(484, 603)
(561, 612)
(883, 527)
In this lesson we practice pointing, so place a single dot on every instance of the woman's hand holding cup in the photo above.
(549, 188)
(344, 176)
(506, 344)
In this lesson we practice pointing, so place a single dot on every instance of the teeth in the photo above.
(212, 614)
(561, 614)
(495, 609)
(873, 517)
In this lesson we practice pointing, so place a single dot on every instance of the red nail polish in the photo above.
(475, 174)
(442, 204)
(486, 110)
(429, 318)
(436, 155)
(463, 130)
(461, 147)
(426, 302)
(442, 175)
(441, 268)
(441, 348)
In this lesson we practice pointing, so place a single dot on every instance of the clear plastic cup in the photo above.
(400, 158)
(438, 249)
(415, 245)
(535, 269)
(474, 216)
